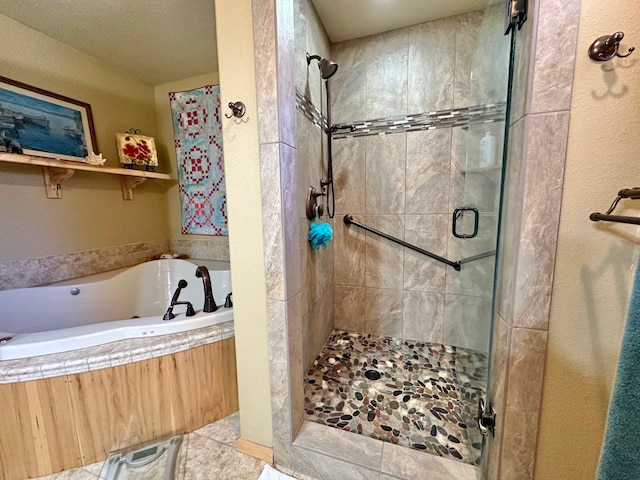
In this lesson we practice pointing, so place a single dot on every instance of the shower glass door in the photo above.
(478, 148)
(418, 129)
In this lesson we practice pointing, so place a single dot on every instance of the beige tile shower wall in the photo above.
(316, 266)
(407, 185)
(273, 27)
(539, 135)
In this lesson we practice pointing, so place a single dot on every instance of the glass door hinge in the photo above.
(516, 15)
(486, 418)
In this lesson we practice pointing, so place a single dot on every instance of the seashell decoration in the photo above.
(94, 159)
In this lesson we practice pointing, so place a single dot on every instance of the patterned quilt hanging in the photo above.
(198, 142)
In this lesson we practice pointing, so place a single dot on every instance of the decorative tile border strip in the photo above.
(310, 111)
(213, 248)
(34, 272)
(459, 117)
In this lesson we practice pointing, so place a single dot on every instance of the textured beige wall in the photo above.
(242, 167)
(595, 262)
(165, 137)
(91, 213)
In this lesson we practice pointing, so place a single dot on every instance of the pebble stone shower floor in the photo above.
(416, 394)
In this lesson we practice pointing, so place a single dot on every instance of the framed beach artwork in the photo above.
(36, 122)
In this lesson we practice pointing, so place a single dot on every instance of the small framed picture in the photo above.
(137, 149)
(37, 122)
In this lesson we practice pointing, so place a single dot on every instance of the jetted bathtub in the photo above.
(108, 307)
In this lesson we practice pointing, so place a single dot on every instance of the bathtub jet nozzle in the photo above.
(209, 301)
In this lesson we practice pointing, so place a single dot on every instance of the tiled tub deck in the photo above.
(415, 394)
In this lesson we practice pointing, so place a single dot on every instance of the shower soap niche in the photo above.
(487, 151)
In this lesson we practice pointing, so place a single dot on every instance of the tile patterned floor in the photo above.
(208, 453)
(425, 398)
(414, 394)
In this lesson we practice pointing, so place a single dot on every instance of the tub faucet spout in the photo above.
(209, 302)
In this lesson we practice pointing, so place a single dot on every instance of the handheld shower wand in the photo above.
(327, 70)
(181, 284)
(331, 194)
(169, 315)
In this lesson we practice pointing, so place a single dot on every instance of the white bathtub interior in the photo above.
(106, 307)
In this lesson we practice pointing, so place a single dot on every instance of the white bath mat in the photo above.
(270, 473)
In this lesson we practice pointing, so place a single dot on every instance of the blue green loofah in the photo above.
(320, 234)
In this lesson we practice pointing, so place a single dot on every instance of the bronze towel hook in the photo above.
(237, 110)
(606, 47)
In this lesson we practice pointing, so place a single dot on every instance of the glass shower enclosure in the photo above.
(418, 135)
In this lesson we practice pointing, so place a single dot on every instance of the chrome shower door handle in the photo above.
(458, 213)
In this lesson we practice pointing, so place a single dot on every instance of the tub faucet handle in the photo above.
(228, 303)
(170, 315)
(190, 310)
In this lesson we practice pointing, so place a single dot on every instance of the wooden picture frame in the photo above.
(37, 122)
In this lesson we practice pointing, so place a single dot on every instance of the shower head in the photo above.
(326, 66)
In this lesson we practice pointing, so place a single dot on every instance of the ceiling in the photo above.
(348, 19)
(159, 41)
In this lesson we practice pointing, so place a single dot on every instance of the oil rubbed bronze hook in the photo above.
(606, 47)
(237, 110)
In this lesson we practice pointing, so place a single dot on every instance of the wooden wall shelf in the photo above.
(57, 171)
